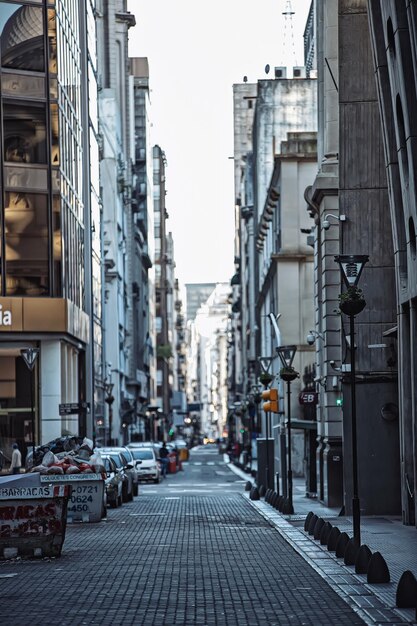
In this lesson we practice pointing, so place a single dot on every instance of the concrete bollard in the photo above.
(378, 571)
(333, 538)
(351, 552)
(307, 520)
(406, 595)
(362, 560)
(312, 523)
(342, 545)
(317, 528)
(325, 532)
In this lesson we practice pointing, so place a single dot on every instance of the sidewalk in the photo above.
(397, 544)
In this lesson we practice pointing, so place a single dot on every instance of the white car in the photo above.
(148, 468)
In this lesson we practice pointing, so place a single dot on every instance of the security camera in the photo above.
(310, 339)
(326, 224)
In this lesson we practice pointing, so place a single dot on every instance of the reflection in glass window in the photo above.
(21, 39)
(26, 234)
(24, 133)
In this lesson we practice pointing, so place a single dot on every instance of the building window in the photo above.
(26, 228)
(22, 48)
(24, 133)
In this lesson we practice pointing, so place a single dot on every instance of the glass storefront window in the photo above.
(21, 39)
(26, 233)
(24, 133)
(57, 245)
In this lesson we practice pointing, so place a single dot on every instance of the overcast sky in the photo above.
(197, 50)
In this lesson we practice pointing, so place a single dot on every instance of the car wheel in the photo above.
(125, 495)
(135, 489)
(130, 496)
(157, 480)
(114, 504)
(119, 501)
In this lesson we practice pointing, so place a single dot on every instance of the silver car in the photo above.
(147, 465)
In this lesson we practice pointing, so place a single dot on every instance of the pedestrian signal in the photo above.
(271, 395)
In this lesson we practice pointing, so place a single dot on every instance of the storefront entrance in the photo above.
(15, 403)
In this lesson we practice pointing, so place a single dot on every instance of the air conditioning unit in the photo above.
(299, 71)
(280, 71)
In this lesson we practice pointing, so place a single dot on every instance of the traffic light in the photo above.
(339, 401)
(271, 395)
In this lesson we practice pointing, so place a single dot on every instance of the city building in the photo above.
(210, 354)
(273, 120)
(117, 155)
(51, 262)
(196, 295)
(163, 295)
(143, 364)
(394, 51)
(352, 176)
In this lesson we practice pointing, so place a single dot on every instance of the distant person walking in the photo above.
(16, 464)
(163, 455)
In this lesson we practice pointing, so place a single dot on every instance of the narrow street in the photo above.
(190, 551)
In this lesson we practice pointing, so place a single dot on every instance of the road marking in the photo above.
(170, 498)
(210, 463)
(197, 463)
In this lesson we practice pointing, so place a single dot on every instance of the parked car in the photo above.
(148, 467)
(127, 470)
(113, 482)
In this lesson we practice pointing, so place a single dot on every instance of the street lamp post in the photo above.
(109, 399)
(352, 303)
(288, 374)
(29, 356)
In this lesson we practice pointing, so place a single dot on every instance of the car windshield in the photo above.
(116, 458)
(107, 465)
(142, 455)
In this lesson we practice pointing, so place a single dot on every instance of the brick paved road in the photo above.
(196, 558)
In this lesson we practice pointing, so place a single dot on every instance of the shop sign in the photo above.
(5, 317)
(308, 397)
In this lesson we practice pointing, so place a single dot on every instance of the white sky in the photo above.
(196, 51)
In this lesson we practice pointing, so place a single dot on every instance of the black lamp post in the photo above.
(288, 374)
(29, 355)
(352, 302)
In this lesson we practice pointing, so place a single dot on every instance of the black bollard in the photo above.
(287, 507)
(312, 523)
(378, 571)
(317, 528)
(262, 491)
(341, 545)
(274, 500)
(333, 538)
(254, 494)
(307, 520)
(248, 485)
(325, 532)
(406, 596)
(268, 495)
(280, 504)
(351, 552)
(362, 560)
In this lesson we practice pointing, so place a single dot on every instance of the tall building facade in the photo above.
(143, 271)
(394, 50)
(50, 265)
(116, 172)
(163, 293)
(352, 176)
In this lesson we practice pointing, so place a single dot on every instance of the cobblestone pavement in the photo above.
(197, 558)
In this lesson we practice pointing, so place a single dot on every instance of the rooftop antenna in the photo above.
(289, 30)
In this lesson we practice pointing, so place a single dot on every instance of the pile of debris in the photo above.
(66, 455)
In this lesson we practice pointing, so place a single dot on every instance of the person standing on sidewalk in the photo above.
(16, 464)
(163, 455)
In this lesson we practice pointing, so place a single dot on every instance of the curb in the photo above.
(352, 588)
